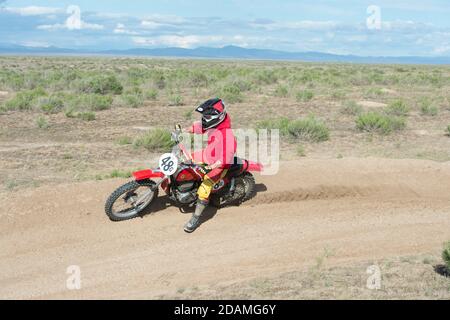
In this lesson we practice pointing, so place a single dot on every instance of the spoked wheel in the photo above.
(245, 189)
(130, 199)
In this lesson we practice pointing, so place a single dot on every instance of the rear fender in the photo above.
(147, 174)
(254, 167)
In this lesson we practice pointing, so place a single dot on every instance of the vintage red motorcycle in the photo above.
(179, 177)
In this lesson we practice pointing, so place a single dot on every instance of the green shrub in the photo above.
(242, 84)
(280, 124)
(281, 91)
(446, 255)
(119, 174)
(397, 108)
(96, 102)
(70, 113)
(132, 100)
(151, 94)
(42, 123)
(338, 95)
(266, 77)
(304, 95)
(448, 130)
(378, 122)
(374, 92)
(231, 93)
(124, 141)
(176, 100)
(51, 104)
(155, 140)
(308, 129)
(427, 108)
(101, 84)
(351, 108)
(86, 116)
(23, 100)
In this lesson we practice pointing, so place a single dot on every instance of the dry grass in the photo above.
(158, 93)
(410, 277)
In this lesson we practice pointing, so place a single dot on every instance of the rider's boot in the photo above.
(194, 222)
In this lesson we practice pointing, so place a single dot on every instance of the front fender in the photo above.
(147, 174)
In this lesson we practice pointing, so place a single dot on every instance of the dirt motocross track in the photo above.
(361, 208)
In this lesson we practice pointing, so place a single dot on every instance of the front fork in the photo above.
(149, 192)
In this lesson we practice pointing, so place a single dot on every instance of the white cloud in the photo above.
(296, 25)
(32, 10)
(189, 41)
(73, 22)
(120, 29)
(151, 24)
(442, 50)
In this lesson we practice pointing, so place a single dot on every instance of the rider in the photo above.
(218, 155)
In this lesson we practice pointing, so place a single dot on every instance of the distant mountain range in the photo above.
(227, 52)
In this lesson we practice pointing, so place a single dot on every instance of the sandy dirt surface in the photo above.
(360, 208)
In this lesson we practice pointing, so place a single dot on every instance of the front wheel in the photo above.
(130, 199)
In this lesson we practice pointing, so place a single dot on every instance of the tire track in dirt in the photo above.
(361, 208)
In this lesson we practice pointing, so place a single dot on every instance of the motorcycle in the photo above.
(179, 177)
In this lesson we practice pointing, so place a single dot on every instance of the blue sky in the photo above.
(370, 28)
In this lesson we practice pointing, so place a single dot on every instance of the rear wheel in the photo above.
(245, 189)
(130, 199)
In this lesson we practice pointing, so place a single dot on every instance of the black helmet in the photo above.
(213, 113)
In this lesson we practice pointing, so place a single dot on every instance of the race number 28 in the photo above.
(168, 164)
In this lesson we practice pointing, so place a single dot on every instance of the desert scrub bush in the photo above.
(427, 108)
(151, 94)
(116, 173)
(175, 100)
(338, 95)
(198, 79)
(446, 255)
(88, 102)
(84, 115)
(50, 104)
(231, 93)
(42, 123)
(265, 77)
(242, 83)
(379, 122)
(101, 84)
(97, 102)
(132, 100)
(397, 108)
(155, 140)
(447, 131)
(351, 108)
(125, 140)
(304, 95)
(281, 91)
(308, 129)
(373, 92)
(23, 100)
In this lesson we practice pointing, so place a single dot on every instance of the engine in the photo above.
(186, 192)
